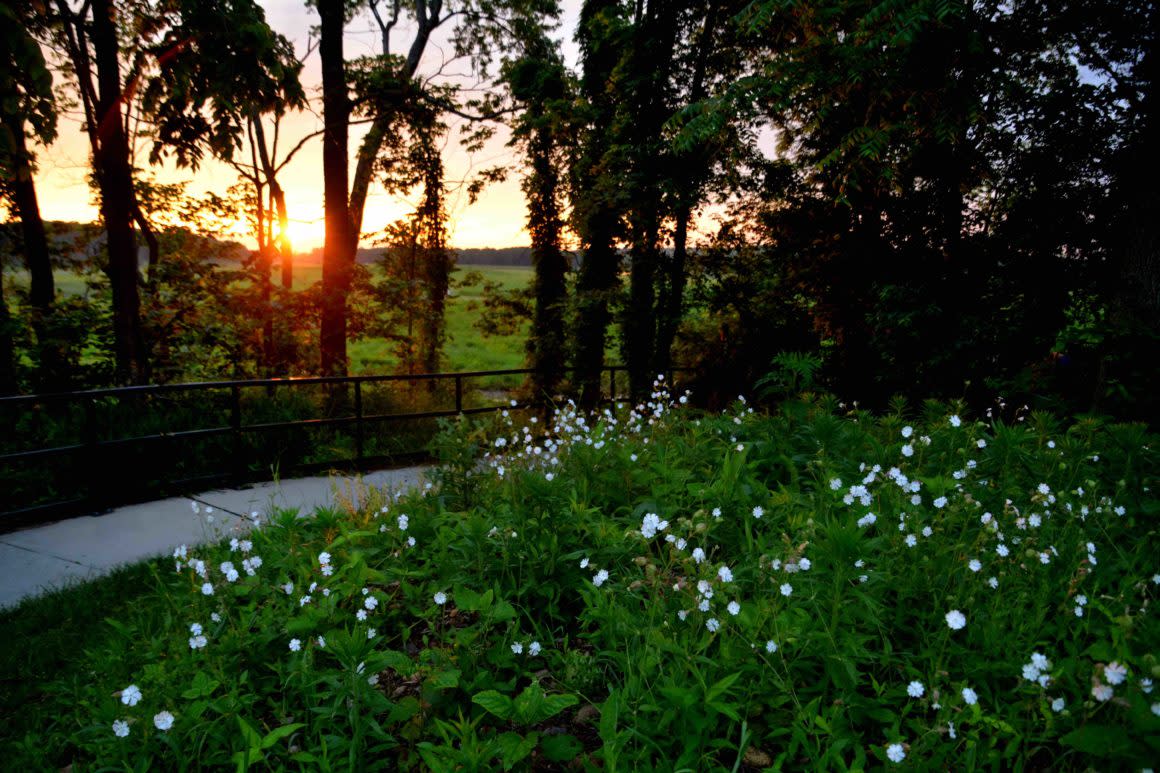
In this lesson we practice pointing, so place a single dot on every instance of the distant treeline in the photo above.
(469, 256)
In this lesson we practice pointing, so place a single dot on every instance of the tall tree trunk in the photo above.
(673, 291)
(41, 290)
(546, 345)
(338, 250)
(597, 280)
(114, 177)
(7, 351)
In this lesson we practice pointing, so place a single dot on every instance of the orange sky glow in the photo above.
(497, 219)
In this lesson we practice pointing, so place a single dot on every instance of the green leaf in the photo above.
(202, 687)
(253, 740)
(561, 748)
(278, 733)
(514, 748)
(722, 687)
(494, 702)
(467, 600)
(443, 680)
(1098, 740)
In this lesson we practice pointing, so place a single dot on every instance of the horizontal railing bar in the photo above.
(18, 455)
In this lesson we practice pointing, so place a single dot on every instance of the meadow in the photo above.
(813, 588)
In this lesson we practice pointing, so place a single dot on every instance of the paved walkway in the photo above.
(79, 549)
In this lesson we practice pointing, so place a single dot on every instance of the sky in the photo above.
(497, 219)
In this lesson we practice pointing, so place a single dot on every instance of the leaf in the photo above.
(467, 600)
(202, 687)
(722, 687)
(278, 733)
(514, 747)
(503, 611)
(561, 748)
(1098, 740)
(253, 740)
(494, 702)
(443, 680)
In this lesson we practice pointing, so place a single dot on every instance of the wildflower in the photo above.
(288, 588)
(980, 443)
(956, 620)
(698, 555)
(411, 540)
(1057, 705)
(867, 519)
(771, 646)
(725, 574)
(1002, 550)
(907, 431)
(534, 649)
(716, 512)
(970, 696)
(163, 720)
(915, 689)
(911, 540)
(440, 598)
(370, 602)
(908, 450)
(974, 565)
(651, 524)
(927, 531)
(734, 608)
(304, 600)
(1101, 692)
(121, 728)
(1146, 685)
(758, 511)
(683, 614)
(324, 558)
(1044, 489)
(197, 642)
(786, 589)
(956, 421)
(131, 695)
(361, 615)
(895, 752)
(518, 648)
(403, 521)
(599, 578)
(372, 633)
(804, 564)
(916, 500)
(835, 484)
(215, 617)
(712, 625)
(295, 645)
(1115, 673)
(1156, 709)
(207, 589)
(940, 503)
(321, 641)
(195, 629)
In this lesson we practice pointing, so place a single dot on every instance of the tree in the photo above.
(539, 83)
(27, 107)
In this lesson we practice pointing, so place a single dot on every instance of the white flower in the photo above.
(835, 484)
(215, 617)
(915, 689)
(403, 521)
(1081, 599)
(1101, 692)
(1115, 673)
(1043, 488)
(956, 421)
(1057, 705)
(698, 555)
(1146, 685)
(131, 695)
(908, 450)
(599, 578)
(771, 646)
(786, 589)
(725, 574)
(712, 624)
(956, 620)
(361, 615)
(288, 588)
(534, 648)
(970, 696)
(895, 752)
(916, 500)
(295, 645)
(372, 633)
(974, 565)
(195, 629)
(651, 524)
(734, 608)
(981, 443)
(518, 648)
(120, 728)
(411, 540)
(440, 598)
(321, 641)
(1002, 550)
(207, 589)
(370, 602)
(804, 564)
(907, 431)
(940, 503)
(323, 558)
(867, 519)
(927, 531)
(911, 540)
(716, 512)
(993, 582)
(304, 600)
(163, 720)
(758, 511)
(1156, 709)
(197, 642)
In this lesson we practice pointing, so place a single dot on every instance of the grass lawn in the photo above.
(814, 589)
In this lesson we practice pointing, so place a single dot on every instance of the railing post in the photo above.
(358, 423)
(92, 459)
(236, 426)
(458, 393)
(612, 385)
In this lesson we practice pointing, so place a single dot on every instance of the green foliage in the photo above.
(554, 616)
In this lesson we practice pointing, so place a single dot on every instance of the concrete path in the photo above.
(38, 559)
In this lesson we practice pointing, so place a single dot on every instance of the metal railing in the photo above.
(95, 460)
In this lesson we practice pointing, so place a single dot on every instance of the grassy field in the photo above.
(466, 348)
